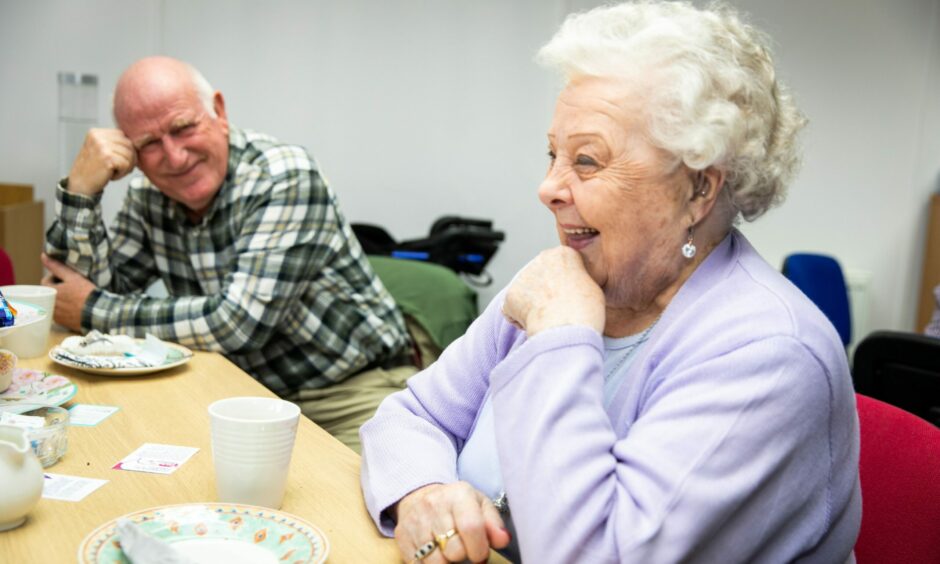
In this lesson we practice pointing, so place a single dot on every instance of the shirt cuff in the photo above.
(72, 199)
(89, 308)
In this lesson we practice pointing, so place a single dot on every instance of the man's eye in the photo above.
(184, 129)
(551, 155)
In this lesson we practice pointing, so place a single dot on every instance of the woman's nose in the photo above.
(555, 190)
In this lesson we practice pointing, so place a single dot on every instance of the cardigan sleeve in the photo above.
(720, 462)
(415, 436)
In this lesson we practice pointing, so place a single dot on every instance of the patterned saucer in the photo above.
(36, 386)
(220, 532)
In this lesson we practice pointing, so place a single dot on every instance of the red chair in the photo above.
(899, 469)
(6, 269)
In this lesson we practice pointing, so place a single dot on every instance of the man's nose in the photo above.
(175, 152)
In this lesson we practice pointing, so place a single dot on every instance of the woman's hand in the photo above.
(554, 290)
(435, 509)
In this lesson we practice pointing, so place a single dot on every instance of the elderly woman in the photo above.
(651, 390)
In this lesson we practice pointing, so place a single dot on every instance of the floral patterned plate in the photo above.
(215, 532)
(36, 386)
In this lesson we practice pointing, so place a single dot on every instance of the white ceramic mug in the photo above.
(252, 442)
(33, 340)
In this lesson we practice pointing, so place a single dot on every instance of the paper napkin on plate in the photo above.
(141, 548)
(97, 350)
(153, 351)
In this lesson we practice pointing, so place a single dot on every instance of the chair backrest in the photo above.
(902, 369)
(820, 278)
(431, 296)
(6, 269)
(899, 469)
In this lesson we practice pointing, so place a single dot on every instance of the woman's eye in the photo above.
(584, 160)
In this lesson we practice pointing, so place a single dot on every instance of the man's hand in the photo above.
(72, 289)
(106, 155)
(436, 509)
(554, 290)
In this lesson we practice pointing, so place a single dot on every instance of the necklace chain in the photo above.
(640, 340)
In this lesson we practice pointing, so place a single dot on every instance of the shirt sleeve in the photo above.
(722, 459)
(415, 435)
(286, 234)
(78, 237)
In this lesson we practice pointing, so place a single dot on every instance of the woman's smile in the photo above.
(579, 237)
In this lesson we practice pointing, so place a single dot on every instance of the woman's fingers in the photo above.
(411, 538)
(496, 533)
(470, 527)
(414, 522)
(555, 289)
(454, 518)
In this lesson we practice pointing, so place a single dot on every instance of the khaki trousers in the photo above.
(342, 408)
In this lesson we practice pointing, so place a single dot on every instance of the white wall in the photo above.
(417, 109)
(865, 72)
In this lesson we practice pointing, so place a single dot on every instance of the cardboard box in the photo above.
(22, 231)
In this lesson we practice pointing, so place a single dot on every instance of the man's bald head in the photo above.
(178, 128)
(149, 78)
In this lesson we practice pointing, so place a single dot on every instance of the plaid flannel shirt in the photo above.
(271, 276)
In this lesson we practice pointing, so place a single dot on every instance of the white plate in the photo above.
(177, 356)
(26, 314)
(215, 532)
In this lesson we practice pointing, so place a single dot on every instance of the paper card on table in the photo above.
(87, 415)
(69, 488)
(24, 421)
(156, 458)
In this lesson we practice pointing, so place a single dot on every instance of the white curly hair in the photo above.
(713, 98)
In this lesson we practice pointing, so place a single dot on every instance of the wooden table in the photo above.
(171, 408)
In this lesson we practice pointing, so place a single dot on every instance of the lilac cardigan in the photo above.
(733, 437)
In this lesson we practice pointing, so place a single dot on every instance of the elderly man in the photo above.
(259, 262)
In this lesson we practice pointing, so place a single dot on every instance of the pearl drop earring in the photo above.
(688, 250)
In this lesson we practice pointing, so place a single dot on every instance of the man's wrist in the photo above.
(70, 198)
(88, 308)
(76, 188)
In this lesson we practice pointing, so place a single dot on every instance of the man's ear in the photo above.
(707, 186)
(218, 104)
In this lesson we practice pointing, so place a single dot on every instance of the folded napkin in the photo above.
(97, 350)
(96, 343)
(141, 548)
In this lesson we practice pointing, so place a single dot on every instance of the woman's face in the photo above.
(617, 200)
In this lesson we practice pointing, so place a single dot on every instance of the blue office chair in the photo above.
(820, 278)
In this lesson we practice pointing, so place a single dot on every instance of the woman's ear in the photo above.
(707, 185)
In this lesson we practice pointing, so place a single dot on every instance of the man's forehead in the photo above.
(142, 107)
(155, 128)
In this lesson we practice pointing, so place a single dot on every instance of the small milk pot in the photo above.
(20, 477)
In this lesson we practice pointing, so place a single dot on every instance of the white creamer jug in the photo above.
(20, 477)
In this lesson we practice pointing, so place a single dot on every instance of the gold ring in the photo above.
(443, 538)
